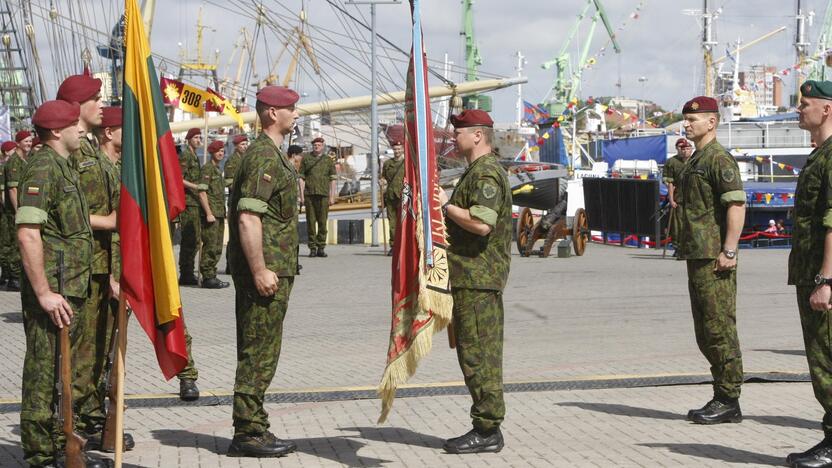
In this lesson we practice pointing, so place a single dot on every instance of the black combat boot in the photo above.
(188, 280)
(13, 285)
(260, 446)
(188, 391)
(819, 456)
(313, 252)
(476, 442)
(214, 283)
(91, 462)
(94, 440)
(321, 252)
(717, 411)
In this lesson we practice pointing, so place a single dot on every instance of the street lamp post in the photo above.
(374, 195)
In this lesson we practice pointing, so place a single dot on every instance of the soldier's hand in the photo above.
(331, 201)
(443, 197)
(57, 307)
(211, 219)
(723, 263)
(819, 300)
(673, 204)
(266, 282)
(115, 288)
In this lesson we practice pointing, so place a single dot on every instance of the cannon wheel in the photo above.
(525, 230)
(555, 233)
(580, 232)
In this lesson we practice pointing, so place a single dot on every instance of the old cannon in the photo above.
(546, 190)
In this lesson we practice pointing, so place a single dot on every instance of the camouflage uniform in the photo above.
(12, 170)
(708, 183)
(479, 267)
(6, 237)
(189, 218)
(266, 185)
(229, 172)
(50, 196)
(812, 219)
(670, 174)
(318, 172)
(393, 173)
(211, 181)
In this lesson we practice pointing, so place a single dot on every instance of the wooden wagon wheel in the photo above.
(525, 230)
(580, 232)
(555, 233)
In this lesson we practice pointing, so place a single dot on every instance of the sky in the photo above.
(661, 46)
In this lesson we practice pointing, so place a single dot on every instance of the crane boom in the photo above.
(751, 43)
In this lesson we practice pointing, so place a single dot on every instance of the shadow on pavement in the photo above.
(788, 352)
(338, 449)
(12, 317)
(11, 454)
(396, 435)
(720, 452)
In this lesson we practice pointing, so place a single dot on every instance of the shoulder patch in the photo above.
(87, 163)
(489, 191)
(728, 175)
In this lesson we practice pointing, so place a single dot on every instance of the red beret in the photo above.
(78, 88)
(396, 143)
(239, 139)
(8, 146)
(192, 133)
(277, 96)
(472, 118)
(54, 115)
(700, 104)
(318, 140)
(35, 141)
(22, 135)
(111, 117)
(683, 142)
(215, 146)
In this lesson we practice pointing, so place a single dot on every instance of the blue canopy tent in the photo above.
(638, 148)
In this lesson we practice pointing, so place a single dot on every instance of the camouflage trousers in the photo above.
(259, 338)
(713, 301)
(189, 371)
(90, 354)
(9, 251)
(40, 436)
(817, 338)
(189, 224)
(478, 327)
(212, 234)
(392, 205)
(317, 212)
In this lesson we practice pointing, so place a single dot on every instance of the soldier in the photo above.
(189, 219)
(240, 146)
(264, 246)
(12, 170)
(672, 169)
(478, 218)
(211, 199)
(7, 238)
(392, 174)
(42, 232)
(99, 187)
(810, 261)
(710, 219)
(295, 154)
(317, 185)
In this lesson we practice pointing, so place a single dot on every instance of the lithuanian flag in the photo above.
(152, 194)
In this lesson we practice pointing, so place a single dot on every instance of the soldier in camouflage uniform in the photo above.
(189, 218)
(52, 217)
(264, 246)
(212, 201)
(230, 170)
(317, 182)
(7, 238)
(99, 187)
(392, 174)
(711, 218)
(12, 170)
(810, 261)
(672, 169)
(478, 218)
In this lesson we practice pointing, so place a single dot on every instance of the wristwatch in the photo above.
(820, 280)
(730, 254)
(445, 209)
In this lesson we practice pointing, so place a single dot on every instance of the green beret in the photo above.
(817, 89)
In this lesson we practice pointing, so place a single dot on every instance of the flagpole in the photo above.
(121, 321)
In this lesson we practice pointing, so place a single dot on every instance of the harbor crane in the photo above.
(568, 78)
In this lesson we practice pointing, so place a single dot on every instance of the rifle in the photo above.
(74, 450)
(108, 433)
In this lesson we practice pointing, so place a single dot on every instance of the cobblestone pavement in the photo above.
(615, 312)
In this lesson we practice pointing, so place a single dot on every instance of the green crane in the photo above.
(568, 79)
(472, 58)
(819, 69)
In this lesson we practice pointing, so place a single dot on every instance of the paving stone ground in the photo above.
(615, 312)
